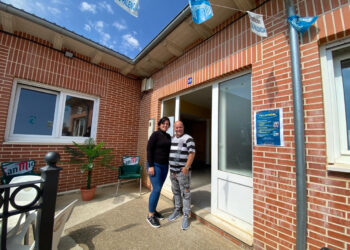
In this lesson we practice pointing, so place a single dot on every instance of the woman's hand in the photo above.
(151, 171)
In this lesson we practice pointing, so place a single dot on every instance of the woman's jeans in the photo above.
(157, 180)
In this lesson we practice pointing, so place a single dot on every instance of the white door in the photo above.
(231, 180)
(170, 108)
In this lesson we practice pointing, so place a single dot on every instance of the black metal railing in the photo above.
(44, 203)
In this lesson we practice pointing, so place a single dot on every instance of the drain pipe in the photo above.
(299, 132)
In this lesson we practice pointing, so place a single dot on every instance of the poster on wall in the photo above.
(269, 127)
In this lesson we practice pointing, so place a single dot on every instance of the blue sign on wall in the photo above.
(269, 127)
(189, 80)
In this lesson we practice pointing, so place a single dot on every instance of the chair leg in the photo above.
(140, 186)
(116, 193)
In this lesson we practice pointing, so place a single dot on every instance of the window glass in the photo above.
(50, 115)
(345, 70)
(35, 113)
(77, 117)
(235, 144)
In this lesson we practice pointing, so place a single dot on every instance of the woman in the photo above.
(158, 149)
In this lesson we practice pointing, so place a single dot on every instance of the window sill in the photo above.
(338, 167)
(51, 141)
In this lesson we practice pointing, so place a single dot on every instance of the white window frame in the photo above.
(56, 137)
(338, 156)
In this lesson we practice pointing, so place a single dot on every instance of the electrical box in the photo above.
(150, 127)
(147, 84)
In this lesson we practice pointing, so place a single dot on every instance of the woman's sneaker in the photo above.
(176, 214)
(153, 221)
(158, 215)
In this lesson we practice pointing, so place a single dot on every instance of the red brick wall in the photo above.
(118, 113)
(235, 48)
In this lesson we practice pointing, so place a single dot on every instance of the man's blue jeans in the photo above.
(157, 180)
(181, 187)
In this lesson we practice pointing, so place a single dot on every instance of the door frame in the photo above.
(218, 174)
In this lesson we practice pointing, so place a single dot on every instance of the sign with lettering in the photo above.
(269, 127)
(17, 168)
(131, 160)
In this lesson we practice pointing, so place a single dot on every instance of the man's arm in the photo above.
(189, 162)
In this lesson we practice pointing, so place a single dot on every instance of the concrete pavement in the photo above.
(109, 222)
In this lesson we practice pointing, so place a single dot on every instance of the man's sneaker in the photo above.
(176, 214)
(158, 215)
(185, 223)
(153, 221)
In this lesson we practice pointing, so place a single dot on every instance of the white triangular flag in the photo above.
(131, 6)
(257, 24)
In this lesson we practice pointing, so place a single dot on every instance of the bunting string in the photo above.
(301, 24)
(226, 7)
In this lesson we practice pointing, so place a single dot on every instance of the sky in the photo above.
(106, 23)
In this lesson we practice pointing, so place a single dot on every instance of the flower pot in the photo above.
(87, 194)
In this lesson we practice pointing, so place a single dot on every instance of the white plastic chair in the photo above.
(14, 241)
(15, 238)
(60, 220)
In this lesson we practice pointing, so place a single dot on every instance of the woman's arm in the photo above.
(150, 153)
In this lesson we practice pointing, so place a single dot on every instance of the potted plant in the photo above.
(88, 155)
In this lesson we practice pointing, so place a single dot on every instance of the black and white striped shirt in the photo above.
(179, 150)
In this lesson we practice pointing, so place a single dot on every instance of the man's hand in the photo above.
(151, 171)
(185, 170)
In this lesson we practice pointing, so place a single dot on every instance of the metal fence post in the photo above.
(46, 214)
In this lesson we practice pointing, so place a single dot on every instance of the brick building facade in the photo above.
(25, 60)
(236, 48)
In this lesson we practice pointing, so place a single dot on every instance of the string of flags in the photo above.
(201, 11)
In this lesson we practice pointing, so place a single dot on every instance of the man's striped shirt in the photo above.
(179, 150)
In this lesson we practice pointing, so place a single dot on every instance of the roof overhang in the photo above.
(170, 43)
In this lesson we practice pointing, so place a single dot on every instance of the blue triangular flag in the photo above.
(301, 24)
(201, 10)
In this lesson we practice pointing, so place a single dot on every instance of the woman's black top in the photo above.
(158, 148)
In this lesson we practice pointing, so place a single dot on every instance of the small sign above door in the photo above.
(189, 80)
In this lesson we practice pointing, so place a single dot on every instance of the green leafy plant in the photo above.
(88, 155)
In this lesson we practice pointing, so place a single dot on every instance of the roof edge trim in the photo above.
(63, 31)
(166, 31)
(30, 17)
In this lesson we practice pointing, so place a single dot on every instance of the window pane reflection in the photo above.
(235, 144)
(35, 113)
(345, 68)
(77, 117)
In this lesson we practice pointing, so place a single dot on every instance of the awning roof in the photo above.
(171, 42)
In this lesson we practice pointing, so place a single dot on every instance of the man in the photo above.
(181, 156)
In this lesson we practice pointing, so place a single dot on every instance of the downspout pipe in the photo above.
(299, 132)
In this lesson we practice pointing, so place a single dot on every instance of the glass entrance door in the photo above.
(232, 150)
(170, 108)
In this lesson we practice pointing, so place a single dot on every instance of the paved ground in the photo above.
(109, 222)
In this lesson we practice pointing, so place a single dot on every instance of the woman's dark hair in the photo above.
(162, 120)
